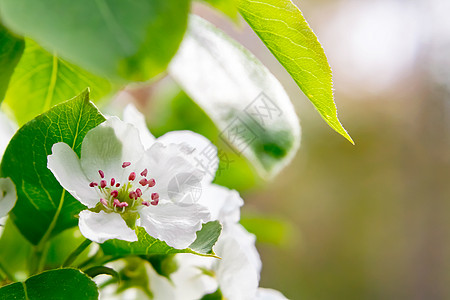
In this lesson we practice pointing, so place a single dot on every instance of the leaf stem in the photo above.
(73, 256)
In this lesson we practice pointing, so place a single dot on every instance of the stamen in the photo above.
(138, 192)
(155, 198)
(113, 181)
(117, 184)
(103, 184)
(145, 203)
(123, 204)
(143, 182)
(116, 202)
(132, 176)
(132, 195)
(126, 164)
(104, 202)
(102, 174)
(114, 193)
(93, 184)
(151, 182)
(144, 173)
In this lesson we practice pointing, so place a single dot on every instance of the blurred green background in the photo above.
(370, 221)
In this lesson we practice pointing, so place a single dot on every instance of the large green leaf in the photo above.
(246, 102)
(284, 30)
(11, 48)
(132, 40)
(147, 245)
(43, 208)
(42, 80)
(52, 285)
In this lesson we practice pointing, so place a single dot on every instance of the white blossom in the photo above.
(126, 184)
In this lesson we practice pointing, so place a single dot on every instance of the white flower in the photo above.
(237, 273)
(8, 197)
(124, 183)
(7, 130)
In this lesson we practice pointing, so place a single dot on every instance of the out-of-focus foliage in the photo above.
(42, 80)
(11, 48)
(131, 40)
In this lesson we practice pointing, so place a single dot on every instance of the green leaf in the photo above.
(11, 48)
(43, 208)
(146, 245)
(284, 30)
(217, 295)
(54, 284)
(132, 40)
(246, 102)
(228, 7)
(207, 237)
(42, 80)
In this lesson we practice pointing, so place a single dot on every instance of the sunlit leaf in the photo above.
(206, 238)
(43, 208)
(246, 102)
(54, 284)
(11, 49)
(132, 40)
(284, 30)
(42, 80)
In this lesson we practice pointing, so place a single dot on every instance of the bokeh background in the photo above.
(370, 221)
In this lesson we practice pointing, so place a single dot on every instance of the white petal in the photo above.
(174, 224)
(107, 146)
(176, 178)
(7, 130)
(99, 227)
(269, 294)
(246, 243)
(224, 204)
(8, 196)
(132, 116)
(189, 281)
(238, 278)
(201, 152)
(160, 286)
(66, 167)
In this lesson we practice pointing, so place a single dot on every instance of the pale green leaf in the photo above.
(43, 208)
(284, 30)
(132, 40)
(42, 80)
(241, 96)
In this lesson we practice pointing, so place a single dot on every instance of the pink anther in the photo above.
(103, 184)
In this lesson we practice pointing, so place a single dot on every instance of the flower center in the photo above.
(126, 197)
